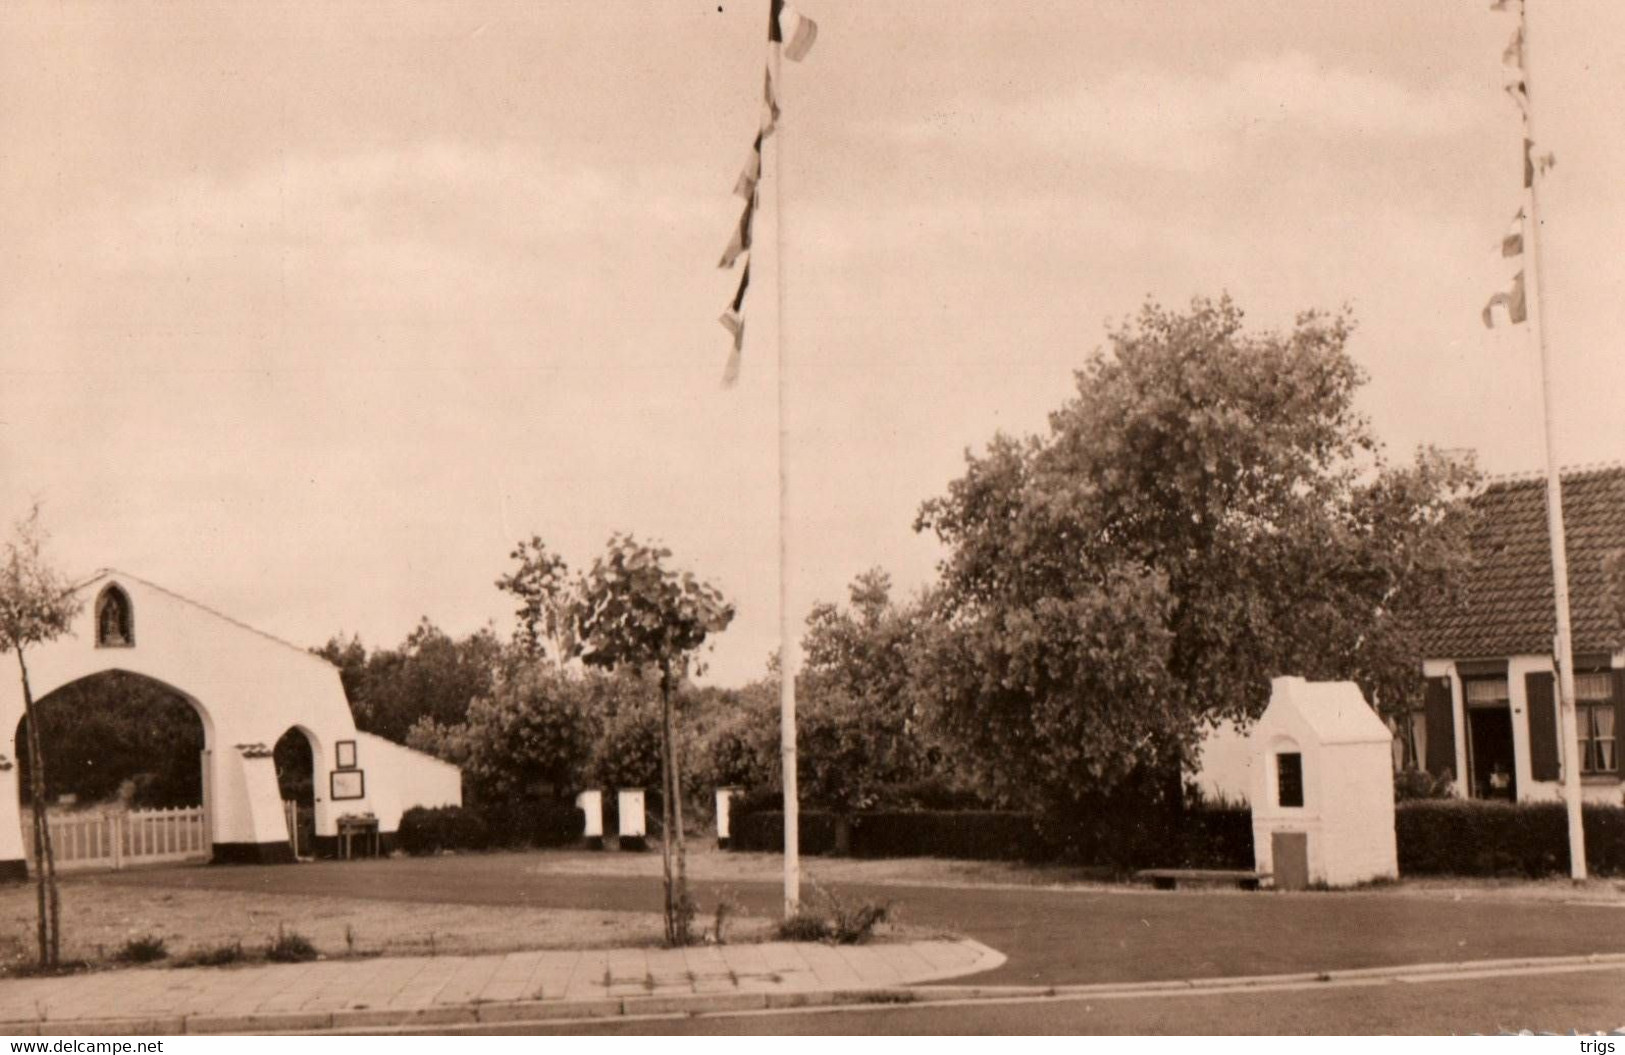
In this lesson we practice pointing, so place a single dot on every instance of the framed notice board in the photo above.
(347, 784)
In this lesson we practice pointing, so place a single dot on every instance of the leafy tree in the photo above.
(632, 612)
(860, 725)
(541, 583)
(537, 727)
(431, 675)
(37, 604)
(743, 748)
(1208, 511)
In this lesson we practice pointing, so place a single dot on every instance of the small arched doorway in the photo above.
(125, 771)
(295, 757)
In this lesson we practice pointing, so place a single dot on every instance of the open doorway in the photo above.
(1494, 771)
(296, 779)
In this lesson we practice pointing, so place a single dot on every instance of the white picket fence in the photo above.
(113, 839)
(290, 811)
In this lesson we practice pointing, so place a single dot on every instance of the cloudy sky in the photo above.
(311, 310)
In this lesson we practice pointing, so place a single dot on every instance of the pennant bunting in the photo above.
(739, 244)
(1512, 300)
(1513, 55)
(733, 320)
(1520, 97)
(1512, 241)
(792, 34)
(1502, 5)
(770, 107)
(751, 174)
(800, 35)
(735, 324)
(1528, 163)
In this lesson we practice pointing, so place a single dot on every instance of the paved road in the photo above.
(1588, 1002)
(1051, 937)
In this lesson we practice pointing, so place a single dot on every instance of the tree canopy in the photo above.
(1207, 511)
(429, 675)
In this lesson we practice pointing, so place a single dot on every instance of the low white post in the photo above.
(633, 824)
(724, 815)
(591, 804)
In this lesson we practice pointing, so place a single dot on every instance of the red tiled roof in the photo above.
(1507, 608)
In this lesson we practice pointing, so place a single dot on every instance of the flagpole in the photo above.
(788, 664)
(1564, 651)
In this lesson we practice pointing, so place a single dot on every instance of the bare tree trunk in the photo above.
(50, 940)
(39, 858)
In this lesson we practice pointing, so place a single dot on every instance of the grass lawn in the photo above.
(708, 864)
(99, 917)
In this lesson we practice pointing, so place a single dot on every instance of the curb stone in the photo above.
(383, 1019)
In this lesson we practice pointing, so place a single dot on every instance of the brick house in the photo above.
(1489, 717)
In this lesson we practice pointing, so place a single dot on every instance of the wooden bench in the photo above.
(1172, 878)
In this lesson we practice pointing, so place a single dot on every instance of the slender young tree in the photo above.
(631, 611)
(37, 604)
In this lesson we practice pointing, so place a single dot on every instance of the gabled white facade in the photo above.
(248, 689)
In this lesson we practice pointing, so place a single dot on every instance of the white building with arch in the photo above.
(248, 688)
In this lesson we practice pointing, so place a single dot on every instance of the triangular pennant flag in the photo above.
(1512, 241)
(734, 323)
(1501, 5)
(740, 242)
(1512, 300)
(1513, 55)
(1528, 163)
(745, 186)
(738, 303)
(1520, 96)
(770, 107)
(796, 31)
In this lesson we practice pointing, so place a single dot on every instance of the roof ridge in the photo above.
(1565, 472)
(103, 573)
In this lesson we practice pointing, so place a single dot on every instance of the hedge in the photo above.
(1434, 837)
(513, 825)
(1211, 838)
(1456, 837)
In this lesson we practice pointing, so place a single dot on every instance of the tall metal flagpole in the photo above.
(1564, 651)
(788, 664)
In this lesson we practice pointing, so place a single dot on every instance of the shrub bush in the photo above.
(148, 948)
(1416, 784)
(1456, 837)
(827, 918)
(514, 825)
(430, 831)
(290, 947)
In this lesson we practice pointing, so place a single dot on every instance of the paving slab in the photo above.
(361, 994)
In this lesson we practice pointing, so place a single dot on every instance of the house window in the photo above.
(114, 626)
(1594, 714)
(1485, 691)
(1289, 778)
(1413, 740)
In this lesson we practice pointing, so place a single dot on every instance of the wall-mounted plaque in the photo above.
(348, 784)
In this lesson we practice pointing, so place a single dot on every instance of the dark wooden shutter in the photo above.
(1619, 719)
(1542, 704)
(1439, 713)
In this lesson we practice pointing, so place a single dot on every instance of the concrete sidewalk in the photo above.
(361, 994)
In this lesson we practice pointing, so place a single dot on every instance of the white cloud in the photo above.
(1187, 122)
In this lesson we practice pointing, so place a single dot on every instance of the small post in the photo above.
(591, 804)
(633, 824)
